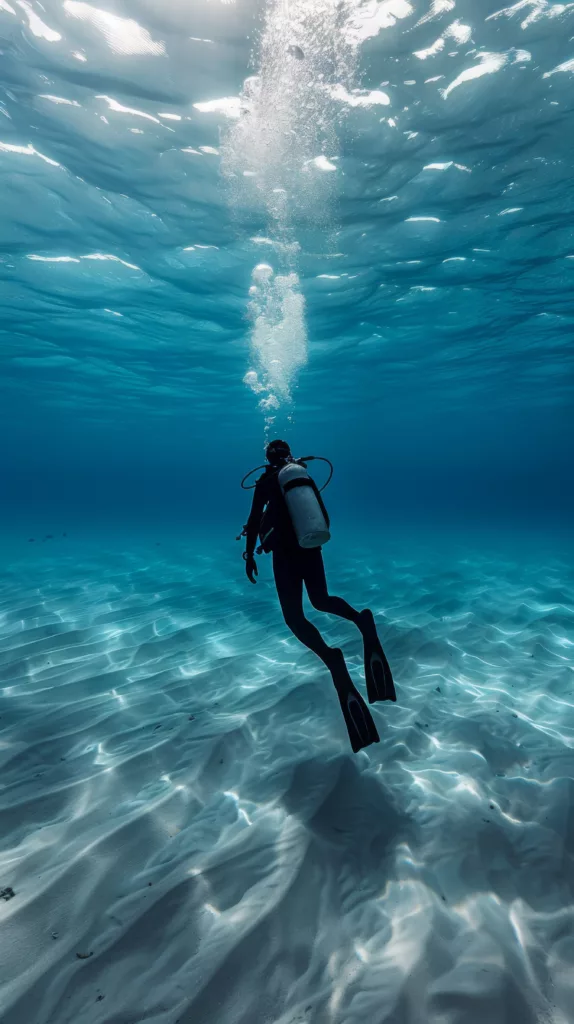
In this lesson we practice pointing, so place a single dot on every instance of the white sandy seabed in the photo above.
(185, 834)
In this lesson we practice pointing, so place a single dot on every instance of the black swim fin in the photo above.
(378, 675)
(358, 719)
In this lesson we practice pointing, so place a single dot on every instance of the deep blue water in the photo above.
(431, 355)
(350, 224)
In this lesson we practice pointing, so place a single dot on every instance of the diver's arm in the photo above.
(254, 521)
(252, 530)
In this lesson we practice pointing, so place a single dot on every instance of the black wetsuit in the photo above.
(293, 566)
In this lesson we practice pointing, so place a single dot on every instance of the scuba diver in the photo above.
(290, 519)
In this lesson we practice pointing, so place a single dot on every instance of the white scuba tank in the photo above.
(304, 508)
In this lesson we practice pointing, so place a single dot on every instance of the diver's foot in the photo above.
(378, 675)
(358, 719)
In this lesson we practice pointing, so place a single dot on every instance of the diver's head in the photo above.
(277, 452)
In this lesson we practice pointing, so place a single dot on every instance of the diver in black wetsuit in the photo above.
(293, 567)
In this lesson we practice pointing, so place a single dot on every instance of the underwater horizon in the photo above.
(347, 223)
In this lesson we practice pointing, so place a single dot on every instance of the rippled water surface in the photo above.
(432, 141)
(348, 223)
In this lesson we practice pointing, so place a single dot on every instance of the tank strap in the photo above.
(298, 482)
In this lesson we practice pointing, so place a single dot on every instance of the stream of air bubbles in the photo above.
(281, 157)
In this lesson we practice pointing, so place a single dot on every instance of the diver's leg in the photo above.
(289, 583)
(319, 596)
(287, 569)
(378, 675)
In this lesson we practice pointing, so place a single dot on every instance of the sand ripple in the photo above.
(178, 802)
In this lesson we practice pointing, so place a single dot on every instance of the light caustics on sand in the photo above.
(280, 155)
(179, 807)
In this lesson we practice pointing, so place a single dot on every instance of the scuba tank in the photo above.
(305, 507)
(303, 502)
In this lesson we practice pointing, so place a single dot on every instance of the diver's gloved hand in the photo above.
(250, 567)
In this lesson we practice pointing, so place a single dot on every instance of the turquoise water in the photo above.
(347, 224)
